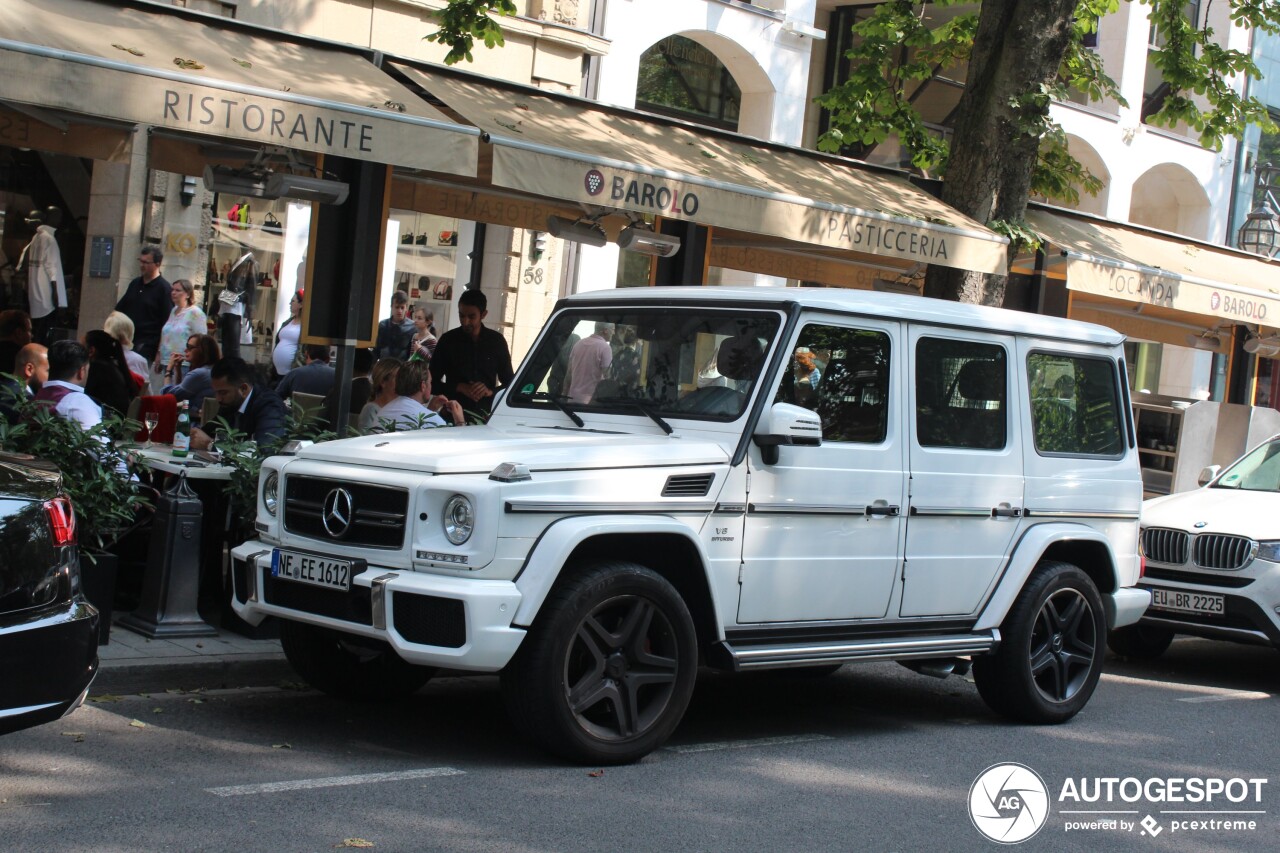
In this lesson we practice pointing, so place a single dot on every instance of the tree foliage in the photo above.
(463, 21)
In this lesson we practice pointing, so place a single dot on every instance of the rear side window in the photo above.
(1075, 405)
(961, 394)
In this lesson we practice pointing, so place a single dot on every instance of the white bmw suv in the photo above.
(742, 479)
(1213, 559)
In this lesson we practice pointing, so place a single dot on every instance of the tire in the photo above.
(352, 668)
(607, 669)
(1050, 658)
(1139, 642)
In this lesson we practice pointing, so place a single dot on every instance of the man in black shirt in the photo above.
(471, 362)
(396, 332)
(147, 301)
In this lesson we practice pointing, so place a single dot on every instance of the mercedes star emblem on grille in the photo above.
(336, 515)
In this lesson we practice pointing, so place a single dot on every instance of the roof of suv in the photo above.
(871, 303)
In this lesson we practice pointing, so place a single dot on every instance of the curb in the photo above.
(208, 672)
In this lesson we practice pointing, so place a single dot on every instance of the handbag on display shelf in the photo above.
(271, 225)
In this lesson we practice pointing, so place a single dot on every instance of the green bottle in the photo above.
(182, 432)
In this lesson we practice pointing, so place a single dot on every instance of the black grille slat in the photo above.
(1163, 545)
(429, 619)
(1225, 581)
(688, 486)
(379, 516)
(1220, 551)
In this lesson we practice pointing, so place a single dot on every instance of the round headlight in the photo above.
(459, 519)
(271, 492)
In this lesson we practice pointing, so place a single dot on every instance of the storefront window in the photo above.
(426, 262)
(258, 250)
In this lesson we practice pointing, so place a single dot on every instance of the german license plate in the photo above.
(312, 569)
(1183, 601)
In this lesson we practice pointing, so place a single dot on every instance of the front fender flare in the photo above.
(1026, 556)
(538, 574)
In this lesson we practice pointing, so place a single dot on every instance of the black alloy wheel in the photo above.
(1050, 657)
(608, 667)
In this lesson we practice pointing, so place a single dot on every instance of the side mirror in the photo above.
(1207, 474)
(785, 423)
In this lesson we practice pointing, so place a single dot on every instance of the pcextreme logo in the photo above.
(1009, 803)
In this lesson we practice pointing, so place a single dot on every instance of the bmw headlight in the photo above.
(459, 519)
(271, 492)
(1269, 551)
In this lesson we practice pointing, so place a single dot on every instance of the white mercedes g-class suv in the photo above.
(742, 479)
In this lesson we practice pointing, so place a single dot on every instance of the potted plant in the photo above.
(108, 500)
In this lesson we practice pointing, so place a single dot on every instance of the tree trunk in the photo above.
(1018, 49)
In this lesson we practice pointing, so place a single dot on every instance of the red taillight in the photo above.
(62, 518)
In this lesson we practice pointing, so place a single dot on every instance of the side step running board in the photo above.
(759, 656)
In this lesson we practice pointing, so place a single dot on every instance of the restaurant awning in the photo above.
(1160, 277)
(571, 150)
(156, 65)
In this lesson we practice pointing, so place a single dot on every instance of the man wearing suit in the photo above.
(250, 408)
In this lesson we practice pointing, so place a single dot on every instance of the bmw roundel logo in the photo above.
(594, 182)
(336, 514)
(1200, 524)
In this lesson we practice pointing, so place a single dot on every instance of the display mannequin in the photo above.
(236, 303)
(46, 288)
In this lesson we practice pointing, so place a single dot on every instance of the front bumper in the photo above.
(431, 620)
(1251, 598)
(1125, 606)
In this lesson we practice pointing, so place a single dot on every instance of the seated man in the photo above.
(31, 369)
(64, 391)
(253, 409)
(415, 408)
(314, 377)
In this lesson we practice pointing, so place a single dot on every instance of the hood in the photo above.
(480, 449)
(25, 476)
(1235, 511)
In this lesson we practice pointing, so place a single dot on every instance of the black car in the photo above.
(48, 631)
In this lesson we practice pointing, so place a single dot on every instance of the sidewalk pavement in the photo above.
(131, 663)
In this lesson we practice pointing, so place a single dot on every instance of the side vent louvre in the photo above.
(688, 486)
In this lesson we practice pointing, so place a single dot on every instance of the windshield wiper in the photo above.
(636, 404)
(558, 402)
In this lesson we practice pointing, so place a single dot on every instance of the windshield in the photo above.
(1258, 471)
(683, 361)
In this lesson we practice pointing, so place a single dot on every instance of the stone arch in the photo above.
(1091, 160)
(758, 91)
(1168, 197)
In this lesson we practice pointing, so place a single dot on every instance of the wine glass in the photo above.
(151, 420)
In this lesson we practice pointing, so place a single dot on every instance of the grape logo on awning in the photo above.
(594, 182)
(1008, 803)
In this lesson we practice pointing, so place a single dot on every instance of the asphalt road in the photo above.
(872, 758)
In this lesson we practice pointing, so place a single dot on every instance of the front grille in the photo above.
(1225, 581)
(1218, 551)
(1165, 546)
(378, 512)
(354, 606)
(688, 486)
(429, 620)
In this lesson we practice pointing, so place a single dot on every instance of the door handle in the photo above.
(886, 511)
(1006, 512)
